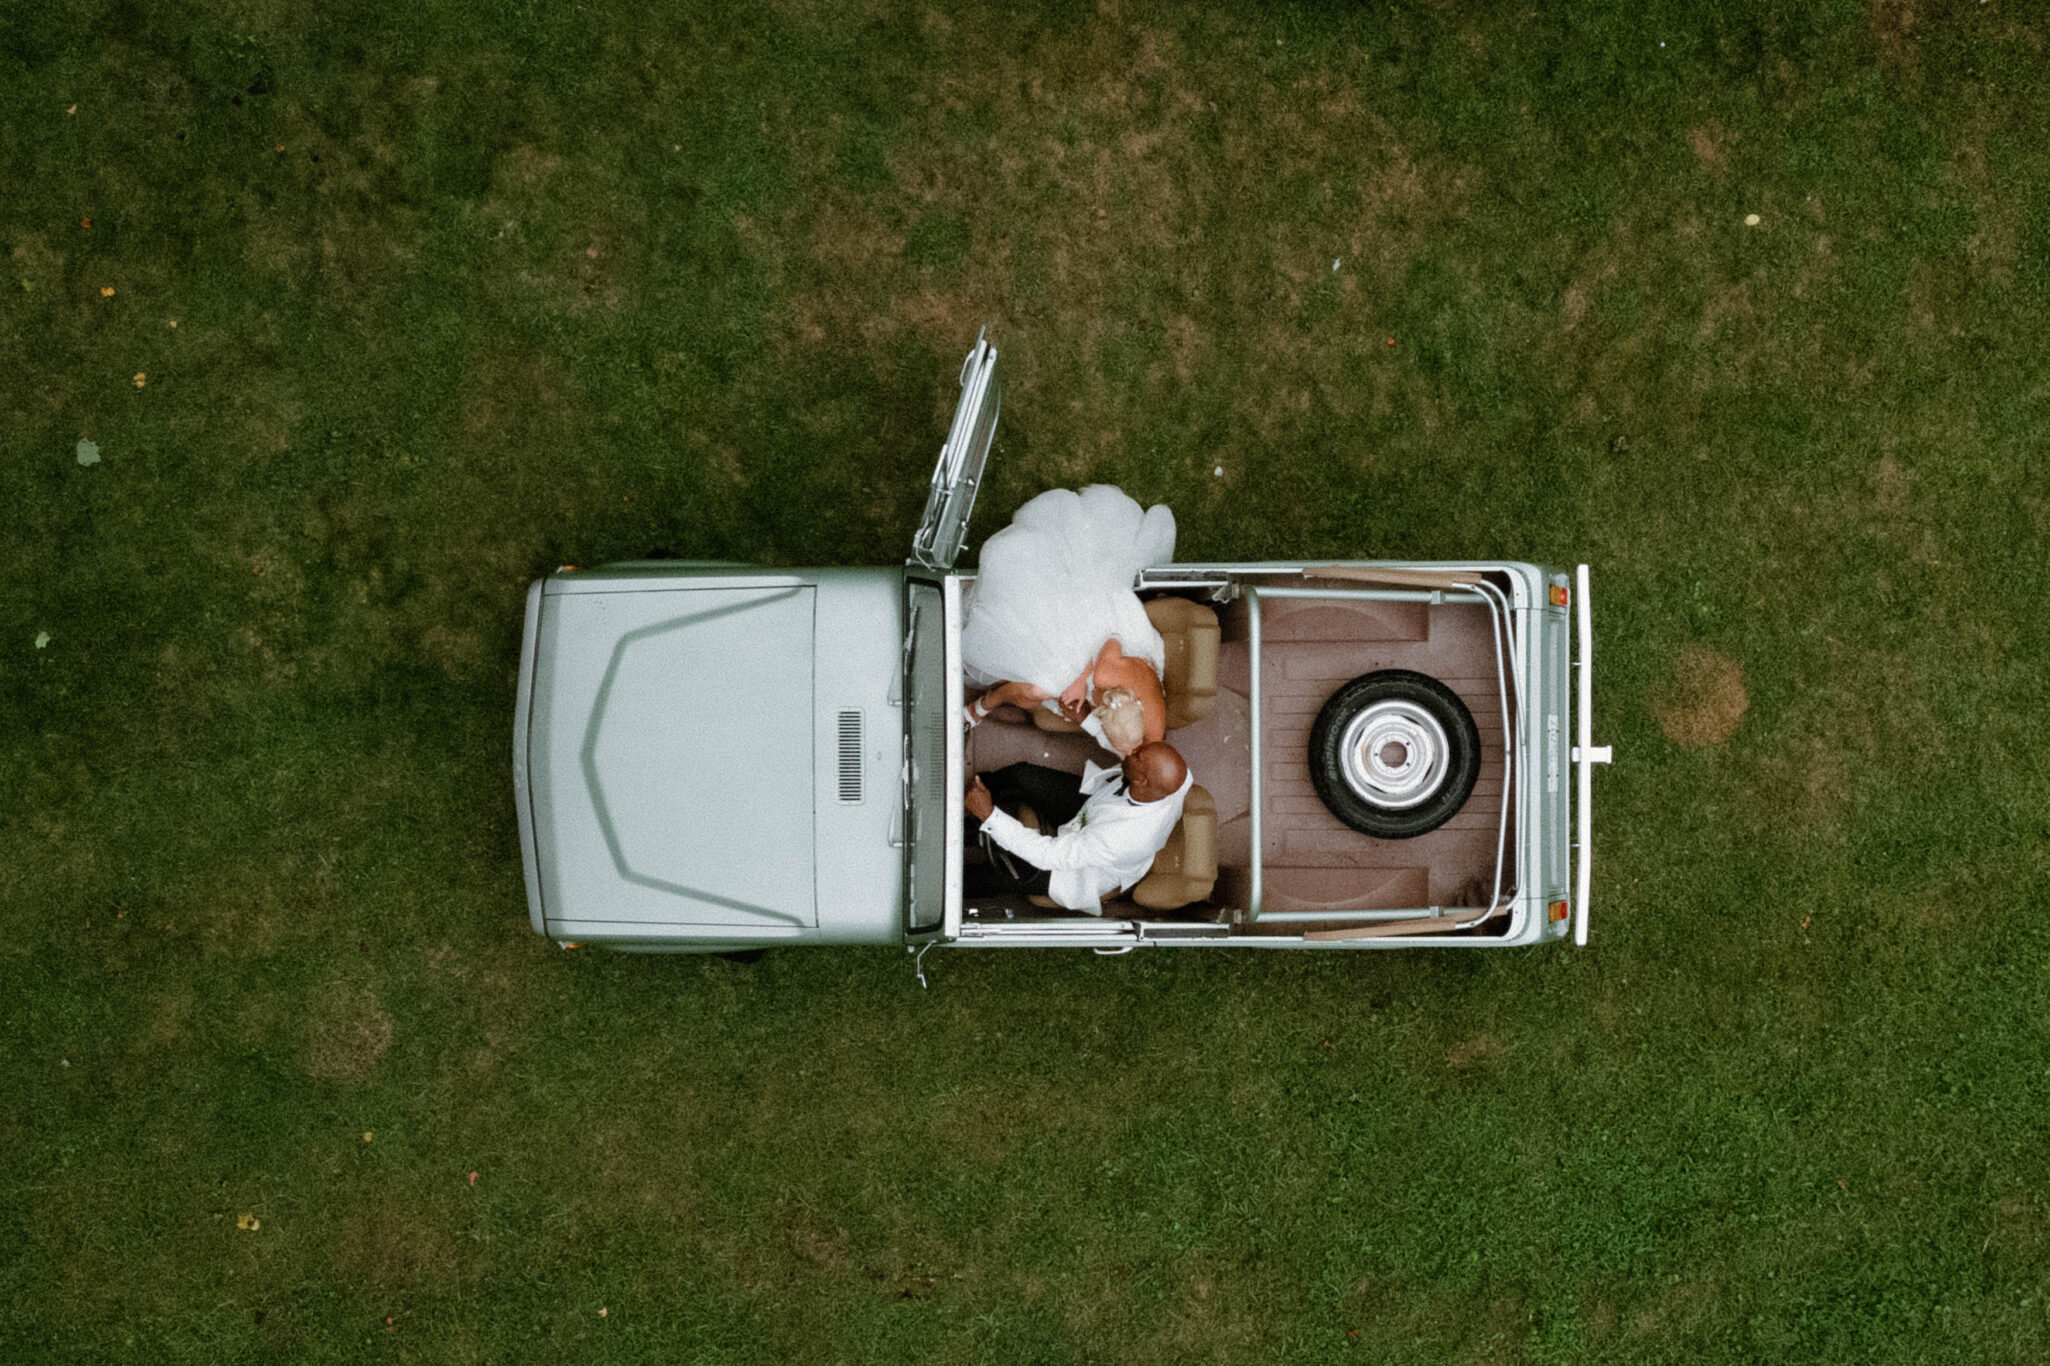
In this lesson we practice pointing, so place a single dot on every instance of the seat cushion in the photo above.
(1185, 869)
(1189, 630)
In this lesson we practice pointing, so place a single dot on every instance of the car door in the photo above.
(958, 475)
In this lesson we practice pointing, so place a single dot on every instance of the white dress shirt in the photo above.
(1107, 846)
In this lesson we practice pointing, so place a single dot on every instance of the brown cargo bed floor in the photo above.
(1313, 860)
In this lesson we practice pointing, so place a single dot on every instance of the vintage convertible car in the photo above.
(717, 757)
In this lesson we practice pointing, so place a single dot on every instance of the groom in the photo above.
(1110, 826)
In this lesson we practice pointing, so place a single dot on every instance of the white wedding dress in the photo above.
(1057, 582)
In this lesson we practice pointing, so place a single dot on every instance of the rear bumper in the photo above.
(523, 792)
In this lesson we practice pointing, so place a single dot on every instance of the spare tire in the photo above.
(1395, 754)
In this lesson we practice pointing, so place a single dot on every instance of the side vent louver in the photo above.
(850, 756)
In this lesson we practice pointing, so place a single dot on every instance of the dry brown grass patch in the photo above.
(1702, 698)
(394, 1248)
(1893, 31)
(1890, 484)
(240, 922)
(1204, 1319)
(1403, 1312)
(1603, 264)
(1480, 1050)
(347, 1033)
(167, 1022)
(1676, 1308)
(1810, 784)
(1995, 249)
(527, 165)
(1733, 312)
(513, 397)
(1708, 141)
(37, 264)
(357, 225)
(2019, 1229)
(552, 251)
(817, 1248)
(1573, 308)
(626, 1171)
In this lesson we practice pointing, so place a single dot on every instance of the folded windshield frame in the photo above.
(933, 754)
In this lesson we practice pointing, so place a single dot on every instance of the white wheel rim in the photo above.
(1395, 755)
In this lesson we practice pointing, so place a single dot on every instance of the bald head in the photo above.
(1154, 771)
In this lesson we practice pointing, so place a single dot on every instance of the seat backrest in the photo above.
(1185, 869)
(1190, 632)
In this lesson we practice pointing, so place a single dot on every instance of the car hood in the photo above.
(672, 755)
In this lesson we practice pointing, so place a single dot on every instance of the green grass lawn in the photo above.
(374, 313)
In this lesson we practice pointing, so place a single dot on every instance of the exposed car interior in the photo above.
(1318, 632)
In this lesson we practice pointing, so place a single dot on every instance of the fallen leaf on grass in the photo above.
(42, 639)
(366, 1135)
(140, 379)
(248, 1223)
(106, 291)
(88, 453)
(473, 1178)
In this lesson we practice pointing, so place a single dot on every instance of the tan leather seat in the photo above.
(1190, 632)
(1185, 869)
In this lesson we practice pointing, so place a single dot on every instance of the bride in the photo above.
(1054, 622)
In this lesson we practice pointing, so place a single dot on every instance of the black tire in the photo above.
(1460, 769)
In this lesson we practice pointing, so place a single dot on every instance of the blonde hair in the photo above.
(1124, 720)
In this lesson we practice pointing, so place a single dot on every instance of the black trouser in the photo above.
(1054, 797)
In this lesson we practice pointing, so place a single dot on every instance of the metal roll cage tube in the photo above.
(1500, 616)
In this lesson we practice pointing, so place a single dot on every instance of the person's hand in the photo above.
(978, 801)
(1075, 699)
